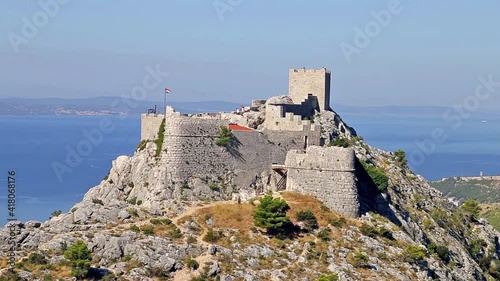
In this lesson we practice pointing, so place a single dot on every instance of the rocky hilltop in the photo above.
(137, 227)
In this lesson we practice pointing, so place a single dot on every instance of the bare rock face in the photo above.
(332, 125)
(283, 99)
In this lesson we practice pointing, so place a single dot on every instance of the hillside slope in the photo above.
(482, 189)
(485, 190)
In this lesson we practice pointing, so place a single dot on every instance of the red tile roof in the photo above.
(236, 127)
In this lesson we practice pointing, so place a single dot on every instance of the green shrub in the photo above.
(324, 234)
(271, 215)
(369, 230)
(133, 212)
(185, 186)
(139, 202)
(148, 230)
(386, 233)
(64, 246)
(55, 213)
(175, 233)
(193, 264)
(225, 136)
(97, 201)
(79, 256)
(11, 275)
(133, 201)
(308, 218)
(142, 145)
(475, 247)
(212, 236)
(38, 259)
(360, 260)
(414, 254)
(159, 139)
(134, 228)
(338, 223)
(324, 208)
(191, 240)
(471, 207)
(213, 186)
(441, 251)
(166, 221)
(377, 175)
(330, 277)
(340, 141)
(401, 157)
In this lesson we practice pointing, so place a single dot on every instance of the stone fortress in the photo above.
(277, 144)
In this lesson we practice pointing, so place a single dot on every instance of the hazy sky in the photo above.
(428, 53)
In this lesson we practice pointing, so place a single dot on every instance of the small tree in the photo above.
(55, 213)
(414, 254)
(79, 256)
(271, 215)
(225, 136)
(471, 207)
(340, 141)
(360, 260)
(308, 218)
(401, 157)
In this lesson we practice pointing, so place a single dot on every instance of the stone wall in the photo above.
(310, 81)
(309, 136)
(190, 151)
(150, 125)
(328, 173)
(290, 117)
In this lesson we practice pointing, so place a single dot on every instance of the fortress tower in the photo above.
(303, 82)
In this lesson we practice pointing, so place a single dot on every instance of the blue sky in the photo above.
(430, 53)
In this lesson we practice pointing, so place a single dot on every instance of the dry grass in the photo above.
(228, 216)
(301, 202)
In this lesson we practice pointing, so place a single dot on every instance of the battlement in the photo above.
(304, 70)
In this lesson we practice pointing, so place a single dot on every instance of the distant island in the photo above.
(108, 106)
(101, 106)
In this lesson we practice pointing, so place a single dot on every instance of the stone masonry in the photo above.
(310, 81)
(150, 124)
(190, 151)
(327, 173)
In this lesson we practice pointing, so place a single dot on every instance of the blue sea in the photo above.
(37, 148)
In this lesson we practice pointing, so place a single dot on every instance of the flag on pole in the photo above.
(167, 90)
